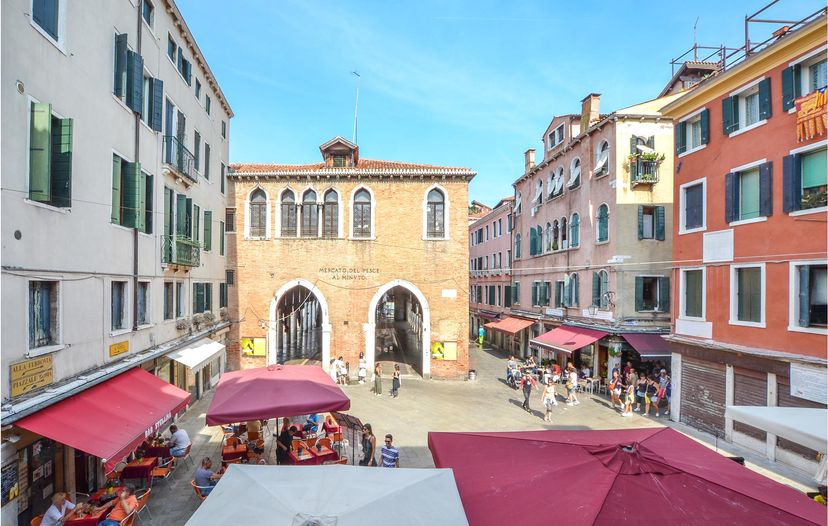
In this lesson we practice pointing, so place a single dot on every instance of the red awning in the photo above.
(509, 325)
(110, 419)
(658, 470)
(567, 338)
(648, 345)
(274, 391)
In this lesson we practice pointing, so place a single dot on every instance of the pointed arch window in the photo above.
(555, 231)
(435, 214)
(330, 215)
(548, 241)
(288, 207)
(602, 226)
(517, 246)
(575, 230)
(310, 214)
(602, 160)
(564, 242)
(575, 173)
(362, 214)
(258, 213)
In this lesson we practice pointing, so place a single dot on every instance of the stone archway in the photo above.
(312, 313)
(424, 333)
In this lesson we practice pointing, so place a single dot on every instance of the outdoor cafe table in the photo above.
(233, 452)
(89, 520)
(96, 497)
(140, 469)
(324, 454)
(306, 459)
(157, 451)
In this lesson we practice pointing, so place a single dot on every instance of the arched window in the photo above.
(538, 197)
(602, 160)
(602, 225)
(575, 230)
(517, 246)
(362, 214)
(547, 245)
(330, 214)
(518, 201)
(571, 291)
(555, 231)
(600, 289)
(557, 183)
(258, 213)
(435, 214)
(575, 173)
(533, 241)
(549, 185)
(564, 244)
(288, 204)
(310, 214)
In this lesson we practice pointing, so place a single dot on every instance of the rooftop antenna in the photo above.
(356, 106)
(695, 49)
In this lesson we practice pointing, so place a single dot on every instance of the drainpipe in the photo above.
(137, 117)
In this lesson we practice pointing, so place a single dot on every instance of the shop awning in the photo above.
(509, 325)
(487, 315)
(648, 345)
(112, 418)
(567, 338)
(198, 354)
(804, 425)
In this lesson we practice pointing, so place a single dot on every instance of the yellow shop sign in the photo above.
(31, 374)
(118, 348)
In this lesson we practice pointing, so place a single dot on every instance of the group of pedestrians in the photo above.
(389, 454)
(549, 394)
(629, 388)
(339, 371)
(376, 380)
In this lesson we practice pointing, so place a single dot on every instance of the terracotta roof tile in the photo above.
(363, 164)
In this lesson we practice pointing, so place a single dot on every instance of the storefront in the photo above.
(195, 368)
(568, 343)
(511, 331)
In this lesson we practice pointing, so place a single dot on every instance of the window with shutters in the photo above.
(330, 214)
(652, 294)
(747, 295)
(747, 109)
(119, 305)
(198, 89)
(748, 193)
(50, 157)
(147, 12)
(517, 246)
(185, 68)
(602, 224)
(651, 222)
(142, 316)
(692, 133)
(197, 151)
(44, 310)
(257, 216)
(289, 212)
(556, 137)
(600, 289)
(208, 104)
(130, 203)
(195, 233)
(206, 161)
(222, 295)
(169, 300)
(223, 129)
(809, 297)
(693, 206)
(202, 297)
(230, 219)
(180, 300)
(692, 292)
(516, 293)
(575, 230)
(208, 230)
(310, 214)
(48, 17)
(172, 48)
(436, 215)
(574, 173)
(814, 176)
(602, 160)
(362, 214)
(571, 291)
(559, 293)
(148, 202)
(804, 77)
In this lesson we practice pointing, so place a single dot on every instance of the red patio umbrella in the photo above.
(274, 391)
(640, 476)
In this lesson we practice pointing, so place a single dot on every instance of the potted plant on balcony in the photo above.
(209, 317)
(224, 314)
(198, 319)
(183, 324)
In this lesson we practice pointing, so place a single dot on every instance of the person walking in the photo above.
(663, 381)
(363, 368)
(650, 395)
(549, 399)
(390, 454)
(640, 389)
(395, 381)
(377, 379)
(481, 333)
(615, 388)
(629, 398)
(572, 385)
(369, 446)
(526, 384)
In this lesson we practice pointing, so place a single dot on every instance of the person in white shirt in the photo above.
(60, 510)
(178, 442)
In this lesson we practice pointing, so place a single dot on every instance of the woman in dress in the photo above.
(395, 381)
(363, 368)
(549, 401)
(369, 446)
(378, 379)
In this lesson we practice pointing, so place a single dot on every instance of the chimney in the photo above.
(590, 110)
(529, 159)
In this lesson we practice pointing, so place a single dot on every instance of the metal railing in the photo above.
(643, 172)
(180, 250)
(179, 157)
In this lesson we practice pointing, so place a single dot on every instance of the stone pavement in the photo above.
(485, 404)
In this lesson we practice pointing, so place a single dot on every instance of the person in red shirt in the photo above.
(125, 504)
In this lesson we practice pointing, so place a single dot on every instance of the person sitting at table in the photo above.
(125, 504)
(296, 432)
(585, 371)
(311, 424)
(530, 363)
(330, 426)
(60, 510)
(206, 478)
(178, 442)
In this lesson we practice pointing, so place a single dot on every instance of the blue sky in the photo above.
(466, 83)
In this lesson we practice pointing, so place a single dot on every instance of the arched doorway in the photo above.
(299, 325)
(399, 327)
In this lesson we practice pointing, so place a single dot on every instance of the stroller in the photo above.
(513, 377)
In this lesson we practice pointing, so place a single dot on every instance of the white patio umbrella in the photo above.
(332, 495)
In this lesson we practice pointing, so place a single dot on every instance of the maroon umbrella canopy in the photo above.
(637, 476)
(274, 391)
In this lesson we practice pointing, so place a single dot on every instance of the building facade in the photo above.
(115, 138)
(351, 256)
(591, 247)
(490, 270)
(749, 230)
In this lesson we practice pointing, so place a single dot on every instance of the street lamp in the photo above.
(593, 310)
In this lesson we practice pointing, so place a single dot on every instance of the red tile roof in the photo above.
(363, 164)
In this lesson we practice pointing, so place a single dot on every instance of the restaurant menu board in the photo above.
(10, 484)
(809, 382)
(37, 477)
(23, 480)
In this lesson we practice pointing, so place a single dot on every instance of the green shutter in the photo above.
(61, 185)
(765, 107)
(596, 289)
(181, 215)
(730, 115)
(40, 157)
(197, 292)
(208, 230)
(135, 82)
(196, 223)
(168, 197)
(576, 299)
(731, 197)
(660, 226)
(188, 219)
(633, 145)
(149, 205)
(208, 297)
(221, 238)
(640, 222)
(791, 86)
(206, 161)
(681, 137)
(134, 199)
(704, 123)
(605, 288)
(558, 299)
(120, 64)
(116, 189)
(223, 175)
(222, 295)
(804, 296)
(766, 189)
(791, 183)
(639, 293)
(157, 100)
(603, 224)
(664, 294)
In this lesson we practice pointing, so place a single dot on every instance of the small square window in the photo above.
(748, 294)
(230, 220)
(148, 12)
(230, 277)
(198, 89)
(693, 294)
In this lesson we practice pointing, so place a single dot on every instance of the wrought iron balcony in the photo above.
(643, 172)
(180, 250)
(179, 158)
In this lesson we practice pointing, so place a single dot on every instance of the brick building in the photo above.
(350, 256)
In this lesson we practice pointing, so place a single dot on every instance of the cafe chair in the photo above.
(142, 505)
(163, 471)
(129, 519)
(324, 442)
(197, 490)
(336, 439)
(186, 456)
(232, 441)
(36, 521)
